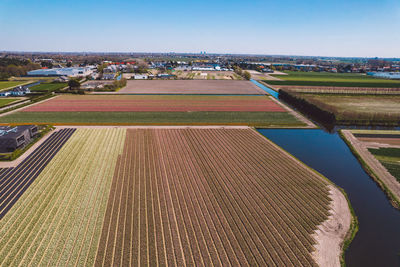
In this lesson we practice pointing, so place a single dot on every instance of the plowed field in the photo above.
(179, 197)
(201, 197)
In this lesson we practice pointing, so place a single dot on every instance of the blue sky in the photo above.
(290, 27)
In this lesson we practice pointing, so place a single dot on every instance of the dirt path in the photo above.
(383, 175)
(333, 231)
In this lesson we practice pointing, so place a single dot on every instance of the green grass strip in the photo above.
(245, 118)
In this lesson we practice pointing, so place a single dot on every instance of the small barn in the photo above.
(12, 138)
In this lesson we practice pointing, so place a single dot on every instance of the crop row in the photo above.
(210, 197)
(15, 181)
(342, 90)
(59, 218)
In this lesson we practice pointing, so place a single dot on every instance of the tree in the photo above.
(246, 75)
(101, 67)
(4, 76)
(69, 64)
(238, 70)
(46, 64)
(74, 84)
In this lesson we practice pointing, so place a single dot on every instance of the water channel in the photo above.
(377, 242)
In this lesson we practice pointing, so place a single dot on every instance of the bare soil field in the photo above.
(384, 142)
(190, 87)
(201, 197)
(206, 75)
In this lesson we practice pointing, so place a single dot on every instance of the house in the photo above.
(5, 93)
(20, 91)
(140, 76)
(12, 138)
(62, 79)
(108, 76)
(165, 76)
(71, 72)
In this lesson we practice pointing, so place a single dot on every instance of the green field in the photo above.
(7, 84)
(332, 79)
(390, 159)
(177, 118)
(7, 101)
(359, 108)
(47, 87)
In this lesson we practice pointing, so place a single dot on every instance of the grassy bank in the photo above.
(393, 199)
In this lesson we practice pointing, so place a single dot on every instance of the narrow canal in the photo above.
(377, 242)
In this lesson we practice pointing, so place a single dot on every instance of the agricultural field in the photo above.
(9, 100)
(214, 87)
(167, 196)
(379, 151)
(58, 219)
(347, 109)
(156, 103)
(10, 84)
(390, 159)
(384, 146)
(332, 79)
(360, 107)
(202, 75)
(259, 119)
(156, 109)
(15, 181)
(341, 90)
(48, 87)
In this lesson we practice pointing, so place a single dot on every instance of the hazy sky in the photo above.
(292, 27)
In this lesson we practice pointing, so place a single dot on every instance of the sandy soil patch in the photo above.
(333, 231)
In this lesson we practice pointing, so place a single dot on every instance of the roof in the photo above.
(13, 132)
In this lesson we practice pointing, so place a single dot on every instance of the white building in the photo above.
(70, 72)
(140, 77)
(385, 75)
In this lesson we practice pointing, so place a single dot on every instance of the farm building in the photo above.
(12, 138)
(385, 75)
(108, 76)
(81, 71)
(20, 91)
(140, 77)
(17, 91)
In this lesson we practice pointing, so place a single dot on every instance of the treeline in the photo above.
(245, 74)
(317, 111)
(115, 85)
(329, 115)
(15, 67)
